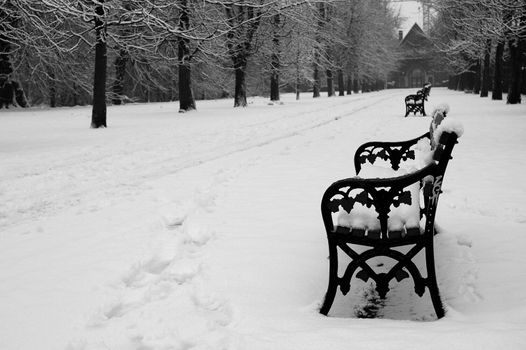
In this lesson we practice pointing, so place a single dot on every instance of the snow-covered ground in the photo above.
(203, 230)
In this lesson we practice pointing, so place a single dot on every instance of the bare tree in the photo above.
(186, 96)
(496, 93)
(243, 20)
(485, 76)
(275, 58)
(515, 22)
(318, 50)
(471, 24)
(364, 45)
(98, 114)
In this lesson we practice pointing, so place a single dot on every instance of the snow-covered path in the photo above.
(57, 164)
(203, 230)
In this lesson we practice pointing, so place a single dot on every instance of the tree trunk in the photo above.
(461, 82)
(469, 79)
(20, 96)
(297, 90)
(365, 86)
(274, 79)
(484, 83)
(240, 94)
(341, 84)
(316, 78)
(298, 71)
(477, 78)
(120, 71)
(356, 85)
(186, 96)
(321, 23)
(514, 90)
(330, 83)
(76, 96)
(452, 82)
(496, 93)
(349, 84)
(98, 114)
(52, 90)
(297, 83)
(274, 60)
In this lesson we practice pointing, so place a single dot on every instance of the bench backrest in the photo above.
(419, 96)
(429, 178)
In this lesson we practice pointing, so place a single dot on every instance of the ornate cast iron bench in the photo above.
(384, 231)
(415, 103)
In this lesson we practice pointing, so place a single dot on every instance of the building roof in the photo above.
(415, 36)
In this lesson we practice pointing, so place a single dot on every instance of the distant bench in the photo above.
(415, 103)
(386, 212)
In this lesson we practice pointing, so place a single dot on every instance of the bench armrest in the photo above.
(395, 152)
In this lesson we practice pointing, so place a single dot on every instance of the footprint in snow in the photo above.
(139, 274)
(184, 271)
(173, 217)
(118, 310)
(219, 309)
(196, 233)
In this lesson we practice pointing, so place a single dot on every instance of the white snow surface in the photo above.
(203, 230)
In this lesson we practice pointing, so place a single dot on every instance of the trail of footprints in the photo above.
(164, 301)
(155, 278)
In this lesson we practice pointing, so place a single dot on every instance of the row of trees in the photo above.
(67, 52)
(482, 41)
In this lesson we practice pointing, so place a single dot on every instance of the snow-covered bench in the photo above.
(385, 208)
(415, 103)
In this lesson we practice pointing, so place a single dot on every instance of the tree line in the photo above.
(74, 52)
(484, 44)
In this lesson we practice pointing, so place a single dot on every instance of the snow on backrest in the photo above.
(365, 217)
(424, 150)
(450, 125)
(438, 115)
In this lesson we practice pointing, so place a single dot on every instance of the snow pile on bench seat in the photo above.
(363, 218)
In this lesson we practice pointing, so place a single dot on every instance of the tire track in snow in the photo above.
(50, 190)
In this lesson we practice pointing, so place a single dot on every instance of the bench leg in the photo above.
(333, 280)
(432, 280)
(408, 110)
(382, 280)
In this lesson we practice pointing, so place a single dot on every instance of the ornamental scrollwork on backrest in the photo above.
(387, 153)
(344, 199)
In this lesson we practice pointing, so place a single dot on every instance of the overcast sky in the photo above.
(412, 11)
